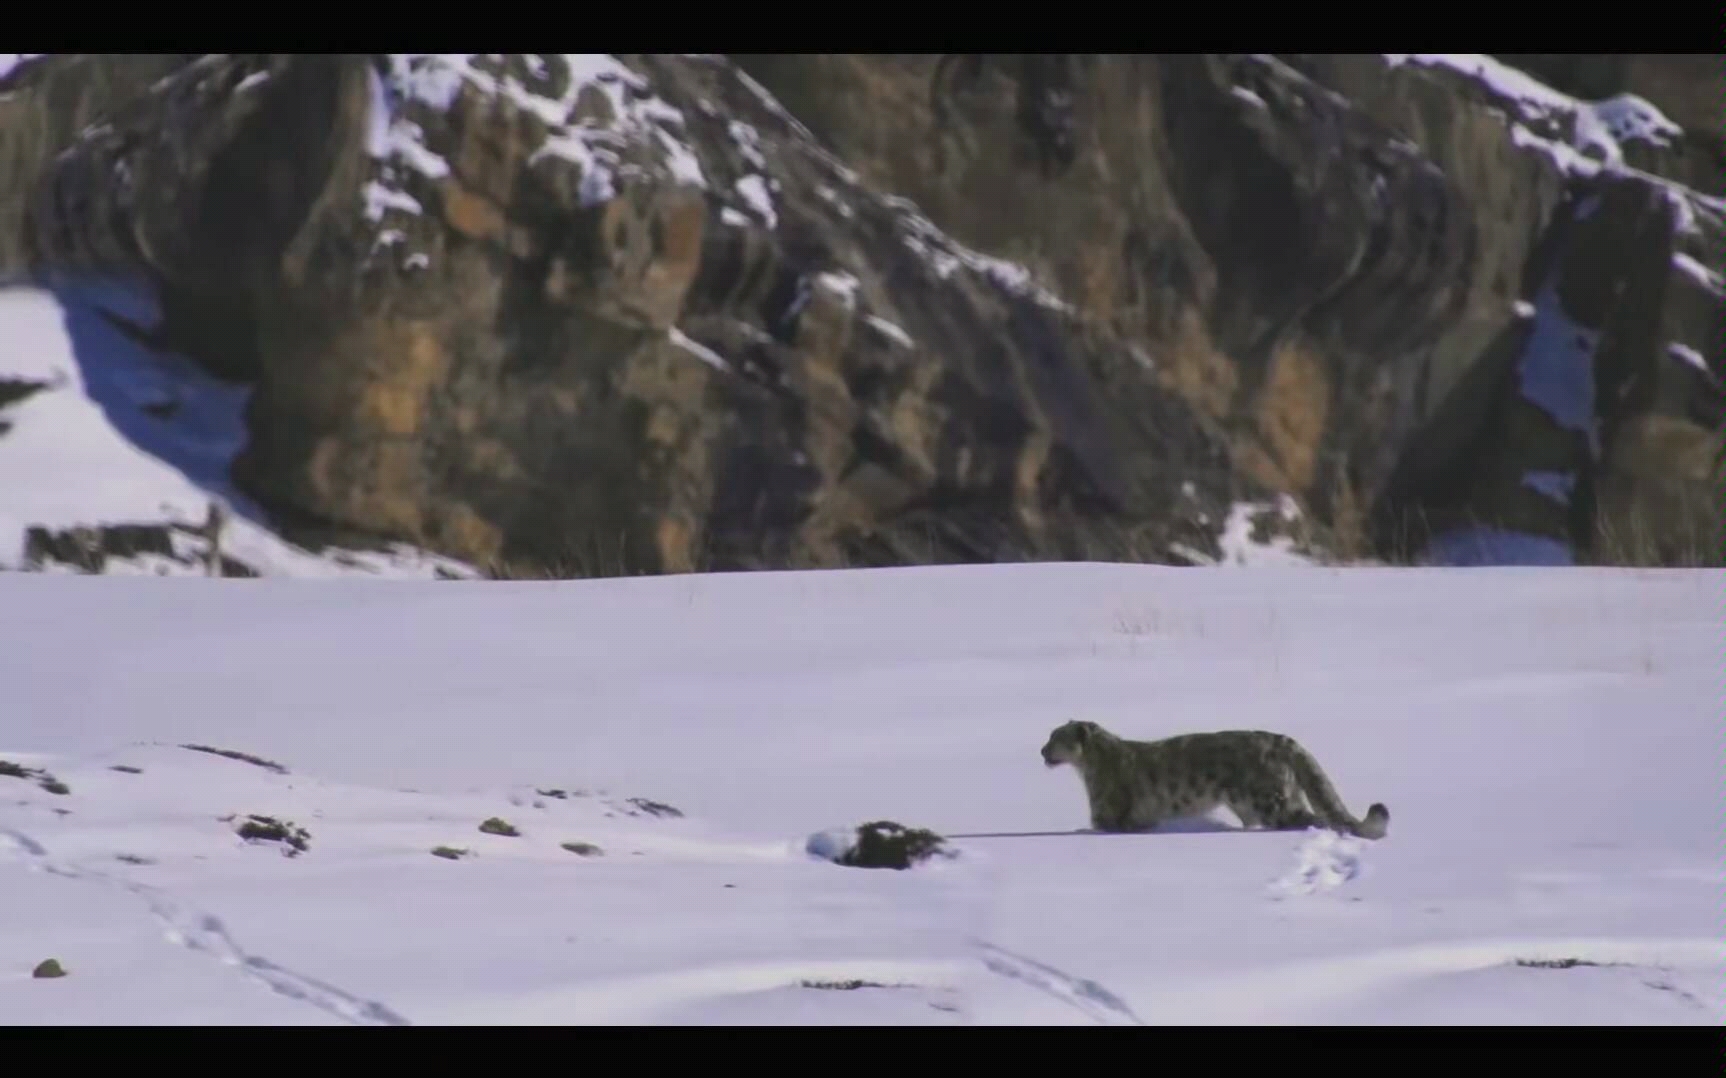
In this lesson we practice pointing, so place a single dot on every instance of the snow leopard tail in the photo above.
(1328, 806)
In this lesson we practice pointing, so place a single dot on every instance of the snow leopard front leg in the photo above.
(1119, 815)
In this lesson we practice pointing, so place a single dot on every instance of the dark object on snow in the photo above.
(654, 808)
(496, 826)
(87, 548)
(845, 986)
(244, 757)
(885, 844)
(48, 970)
(269, 829)
(14, 390)
(215, 519)
(48, 782)
(1558, 963)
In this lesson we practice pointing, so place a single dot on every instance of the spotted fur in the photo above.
(1268, 780)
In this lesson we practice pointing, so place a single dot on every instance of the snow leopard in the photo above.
(1268, 780)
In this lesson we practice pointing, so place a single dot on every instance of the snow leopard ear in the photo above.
(1082, 731)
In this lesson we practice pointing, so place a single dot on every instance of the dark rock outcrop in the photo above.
(13, 391)
(588, 315)
(89, 549)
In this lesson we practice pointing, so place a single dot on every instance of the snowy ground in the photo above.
(1548, 742)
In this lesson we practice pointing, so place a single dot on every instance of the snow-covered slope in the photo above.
(1548, 742)
(112, 431)
(1581, 136)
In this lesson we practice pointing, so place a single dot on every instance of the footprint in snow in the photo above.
(1323, 862)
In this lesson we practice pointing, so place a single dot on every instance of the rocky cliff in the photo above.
(586, 314)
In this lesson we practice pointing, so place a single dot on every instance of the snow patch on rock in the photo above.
(753, 191)
(946, 256)
(636, 117)
(698, 350)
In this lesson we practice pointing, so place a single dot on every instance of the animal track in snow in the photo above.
(206, 934)
(1080, 993)
(1324, 862)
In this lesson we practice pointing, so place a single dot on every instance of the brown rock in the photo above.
(893, 308)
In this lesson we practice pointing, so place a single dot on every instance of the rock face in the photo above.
(577, 315)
